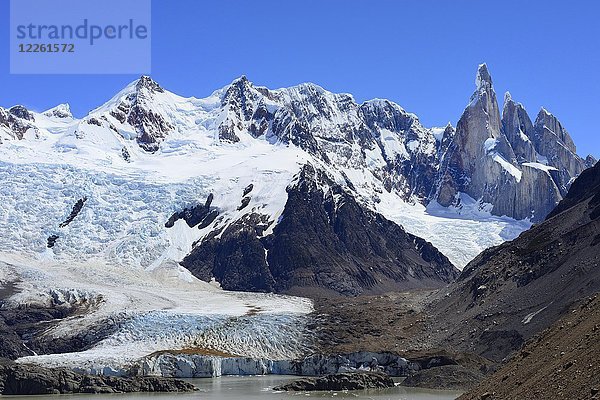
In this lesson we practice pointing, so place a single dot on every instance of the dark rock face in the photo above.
(248, 189)
(240, 98)
(585, 186)
(337, 382)
(558, 363)
(22, 379)
(515, 290)
(16, 121)
(21, 112)
(244, 203)
(125, 154)
(75, 212)
(52, 241)
(201, 215)
(325, 242)
(237, 259)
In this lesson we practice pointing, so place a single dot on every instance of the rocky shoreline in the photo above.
(23, 379)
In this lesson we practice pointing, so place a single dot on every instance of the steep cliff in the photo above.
(520, 168)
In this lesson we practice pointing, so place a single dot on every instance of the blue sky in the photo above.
(423, 54)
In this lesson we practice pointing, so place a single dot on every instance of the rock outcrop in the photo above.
(518, 128)
(136, 109)
(74, 212)
(61, 111)
(200, 215)
(338, 382)
(15, 122)
(22, 379)
(325, 242)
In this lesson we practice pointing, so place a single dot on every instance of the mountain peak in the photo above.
(60, 111)
(145, 82)
(507, 97)
(483, 80)
(484, 88)
(22, 112)
(590, 161)
(545, 117)
(543, 112)
(241, 81)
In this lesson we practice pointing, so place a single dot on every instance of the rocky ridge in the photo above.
(520, 168)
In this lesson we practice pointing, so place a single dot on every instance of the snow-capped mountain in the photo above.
(294, 190)
(377, 152)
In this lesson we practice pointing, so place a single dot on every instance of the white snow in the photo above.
(539, 166)
(508, 167)
(392, 145)
(490, 144)
(438, 133)
(523, 136)
(530, 316)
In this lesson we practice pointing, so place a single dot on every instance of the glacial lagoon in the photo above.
(258, 387)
